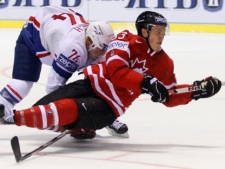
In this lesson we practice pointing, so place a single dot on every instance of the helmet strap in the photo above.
(146, 38)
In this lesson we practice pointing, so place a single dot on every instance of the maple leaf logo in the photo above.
(139, 66)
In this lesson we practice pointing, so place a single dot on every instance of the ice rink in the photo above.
(183, 137)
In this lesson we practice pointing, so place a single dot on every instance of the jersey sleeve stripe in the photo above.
(14, 92)
(99, 90)
(111, 87)
(55, 112)
(116, 57)
(171, 85)
(34, 22)
(43, 116)
(43, 54)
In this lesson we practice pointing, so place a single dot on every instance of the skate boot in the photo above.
(118, 129)
(5, 116)
(83, 134)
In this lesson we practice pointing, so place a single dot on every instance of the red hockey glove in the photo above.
(210, 85)
(155, 88)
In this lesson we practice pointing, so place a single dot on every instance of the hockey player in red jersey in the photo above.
(135, 65)
(61, 38)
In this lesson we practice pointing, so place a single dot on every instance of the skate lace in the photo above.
(117, 124)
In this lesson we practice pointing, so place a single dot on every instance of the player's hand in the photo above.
(211, 85)
(155, 88)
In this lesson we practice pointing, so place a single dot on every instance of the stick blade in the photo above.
(16, 148)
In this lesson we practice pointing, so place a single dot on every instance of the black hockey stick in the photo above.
(16, 146)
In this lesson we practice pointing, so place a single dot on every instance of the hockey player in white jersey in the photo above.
(61, 38)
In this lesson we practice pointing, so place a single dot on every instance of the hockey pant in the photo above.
(73, 106)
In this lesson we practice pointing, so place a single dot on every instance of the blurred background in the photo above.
(183, 15)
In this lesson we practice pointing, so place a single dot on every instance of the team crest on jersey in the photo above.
(139, 66)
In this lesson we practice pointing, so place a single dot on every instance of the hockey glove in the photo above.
(155, 88)
(210, 86)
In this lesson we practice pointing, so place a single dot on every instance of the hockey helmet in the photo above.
(148, 19)
(101, 33)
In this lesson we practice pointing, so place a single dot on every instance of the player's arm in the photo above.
(210, 86)
(122, 75)
(64, 65)
(54, 81)
(117, 63)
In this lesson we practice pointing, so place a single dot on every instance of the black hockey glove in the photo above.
(210, 86)
(155, 88)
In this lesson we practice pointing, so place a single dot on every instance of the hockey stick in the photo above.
(15, 141)
(16, 146)
(188, 89)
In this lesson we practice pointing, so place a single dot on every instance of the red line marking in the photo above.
(6, 69)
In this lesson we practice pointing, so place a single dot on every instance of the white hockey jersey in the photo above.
(57, 36)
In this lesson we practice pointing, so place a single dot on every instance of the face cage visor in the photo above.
(167, 32)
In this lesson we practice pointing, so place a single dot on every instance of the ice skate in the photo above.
(118, 129)
(6, 117)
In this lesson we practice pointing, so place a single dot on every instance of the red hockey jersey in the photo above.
(117, 80)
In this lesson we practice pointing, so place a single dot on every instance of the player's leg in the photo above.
(26, 70)
(57, 113)
(94, 114)
(117, 128)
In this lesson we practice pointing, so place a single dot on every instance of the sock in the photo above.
(58, 113)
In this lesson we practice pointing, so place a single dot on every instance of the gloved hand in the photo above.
(211, 85)
(155, 88)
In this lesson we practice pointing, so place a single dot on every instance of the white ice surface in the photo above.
(183, 137)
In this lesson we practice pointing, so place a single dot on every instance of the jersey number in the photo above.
(122, 35)
(74, 56)
(63, 16)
